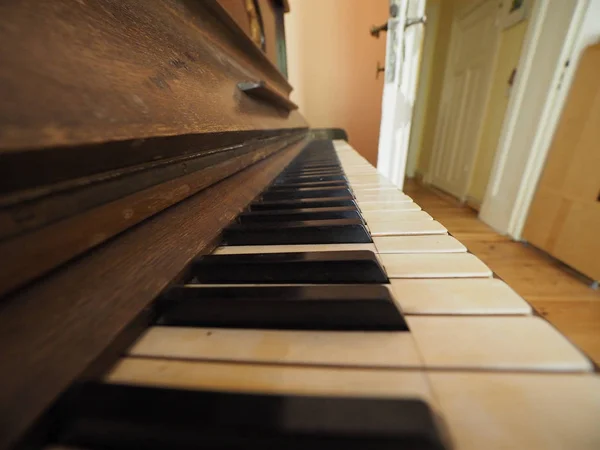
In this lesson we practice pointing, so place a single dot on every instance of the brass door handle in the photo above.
(375, 30)
(379, 69)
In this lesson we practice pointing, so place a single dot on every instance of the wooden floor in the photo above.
(554, 291)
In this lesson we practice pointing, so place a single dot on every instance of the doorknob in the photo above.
(415, 21)
(379, 69)
(375, 30)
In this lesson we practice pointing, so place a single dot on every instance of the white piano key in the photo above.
(494, 343)
(406, 227)
(374, 186)
(434, 265)
(339, 144)
(388, 206)
(350, 154)
(350, 159)
(251, 249)
(357, 167)
(381, 196)
(360, 170)
(376, 217)
(358, 180)
(383, 205)
(498, 411)
(418, 244)
(271, 379)
(368, 189)
(348, 151)
(467, 296)
(325, 348)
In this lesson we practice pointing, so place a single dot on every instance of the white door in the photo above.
(465, 93)
(403, 55)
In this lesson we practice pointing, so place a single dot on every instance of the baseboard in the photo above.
(419, 178)
(472, 202)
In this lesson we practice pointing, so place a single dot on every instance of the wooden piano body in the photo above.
(133, 134)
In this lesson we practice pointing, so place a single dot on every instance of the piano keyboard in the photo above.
(336, 312)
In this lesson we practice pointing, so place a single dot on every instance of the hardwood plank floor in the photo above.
(556, 292)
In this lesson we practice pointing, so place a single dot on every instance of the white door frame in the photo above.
(399, 91)
(534, 108)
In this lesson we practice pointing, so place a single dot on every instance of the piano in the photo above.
(186, 264)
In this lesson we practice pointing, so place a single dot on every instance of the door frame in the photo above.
(440, 127)
(530, 121)
(392, 157)
(432, 13)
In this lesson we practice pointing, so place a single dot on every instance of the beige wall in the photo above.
(509, 51)
(331, 64)
(511, 41)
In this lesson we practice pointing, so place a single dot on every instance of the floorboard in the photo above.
(555, 291)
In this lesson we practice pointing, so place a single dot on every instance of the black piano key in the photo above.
(305, 169)
(340, 231)
(306, 193)
(310, 177)
(118, 417)
(304, 178)
(291, 215)
(307, 172)
(320, 166)
(325, 163)
(326, 308)
(316, 184)
(308, 158)
(304, 203)
(331, 165)
(357, 266)
(290, 187)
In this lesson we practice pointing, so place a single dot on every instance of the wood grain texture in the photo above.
(564, 216)
(556, 293)
(84, 72)
(24, 175)
(56, 328)
(29, 209)
(31, 254)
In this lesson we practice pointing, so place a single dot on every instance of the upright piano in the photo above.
(185, 264)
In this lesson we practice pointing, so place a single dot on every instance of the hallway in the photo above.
(556, 293)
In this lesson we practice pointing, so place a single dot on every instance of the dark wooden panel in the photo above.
(264, 92)
(41, 168)
(53, 330)
(82, 72)
(32, 208)
(32, 254)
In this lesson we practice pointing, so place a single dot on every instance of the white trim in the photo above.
(525, 133)
(585, 29)
(403, 52)
(422, 97)
(386, 157)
